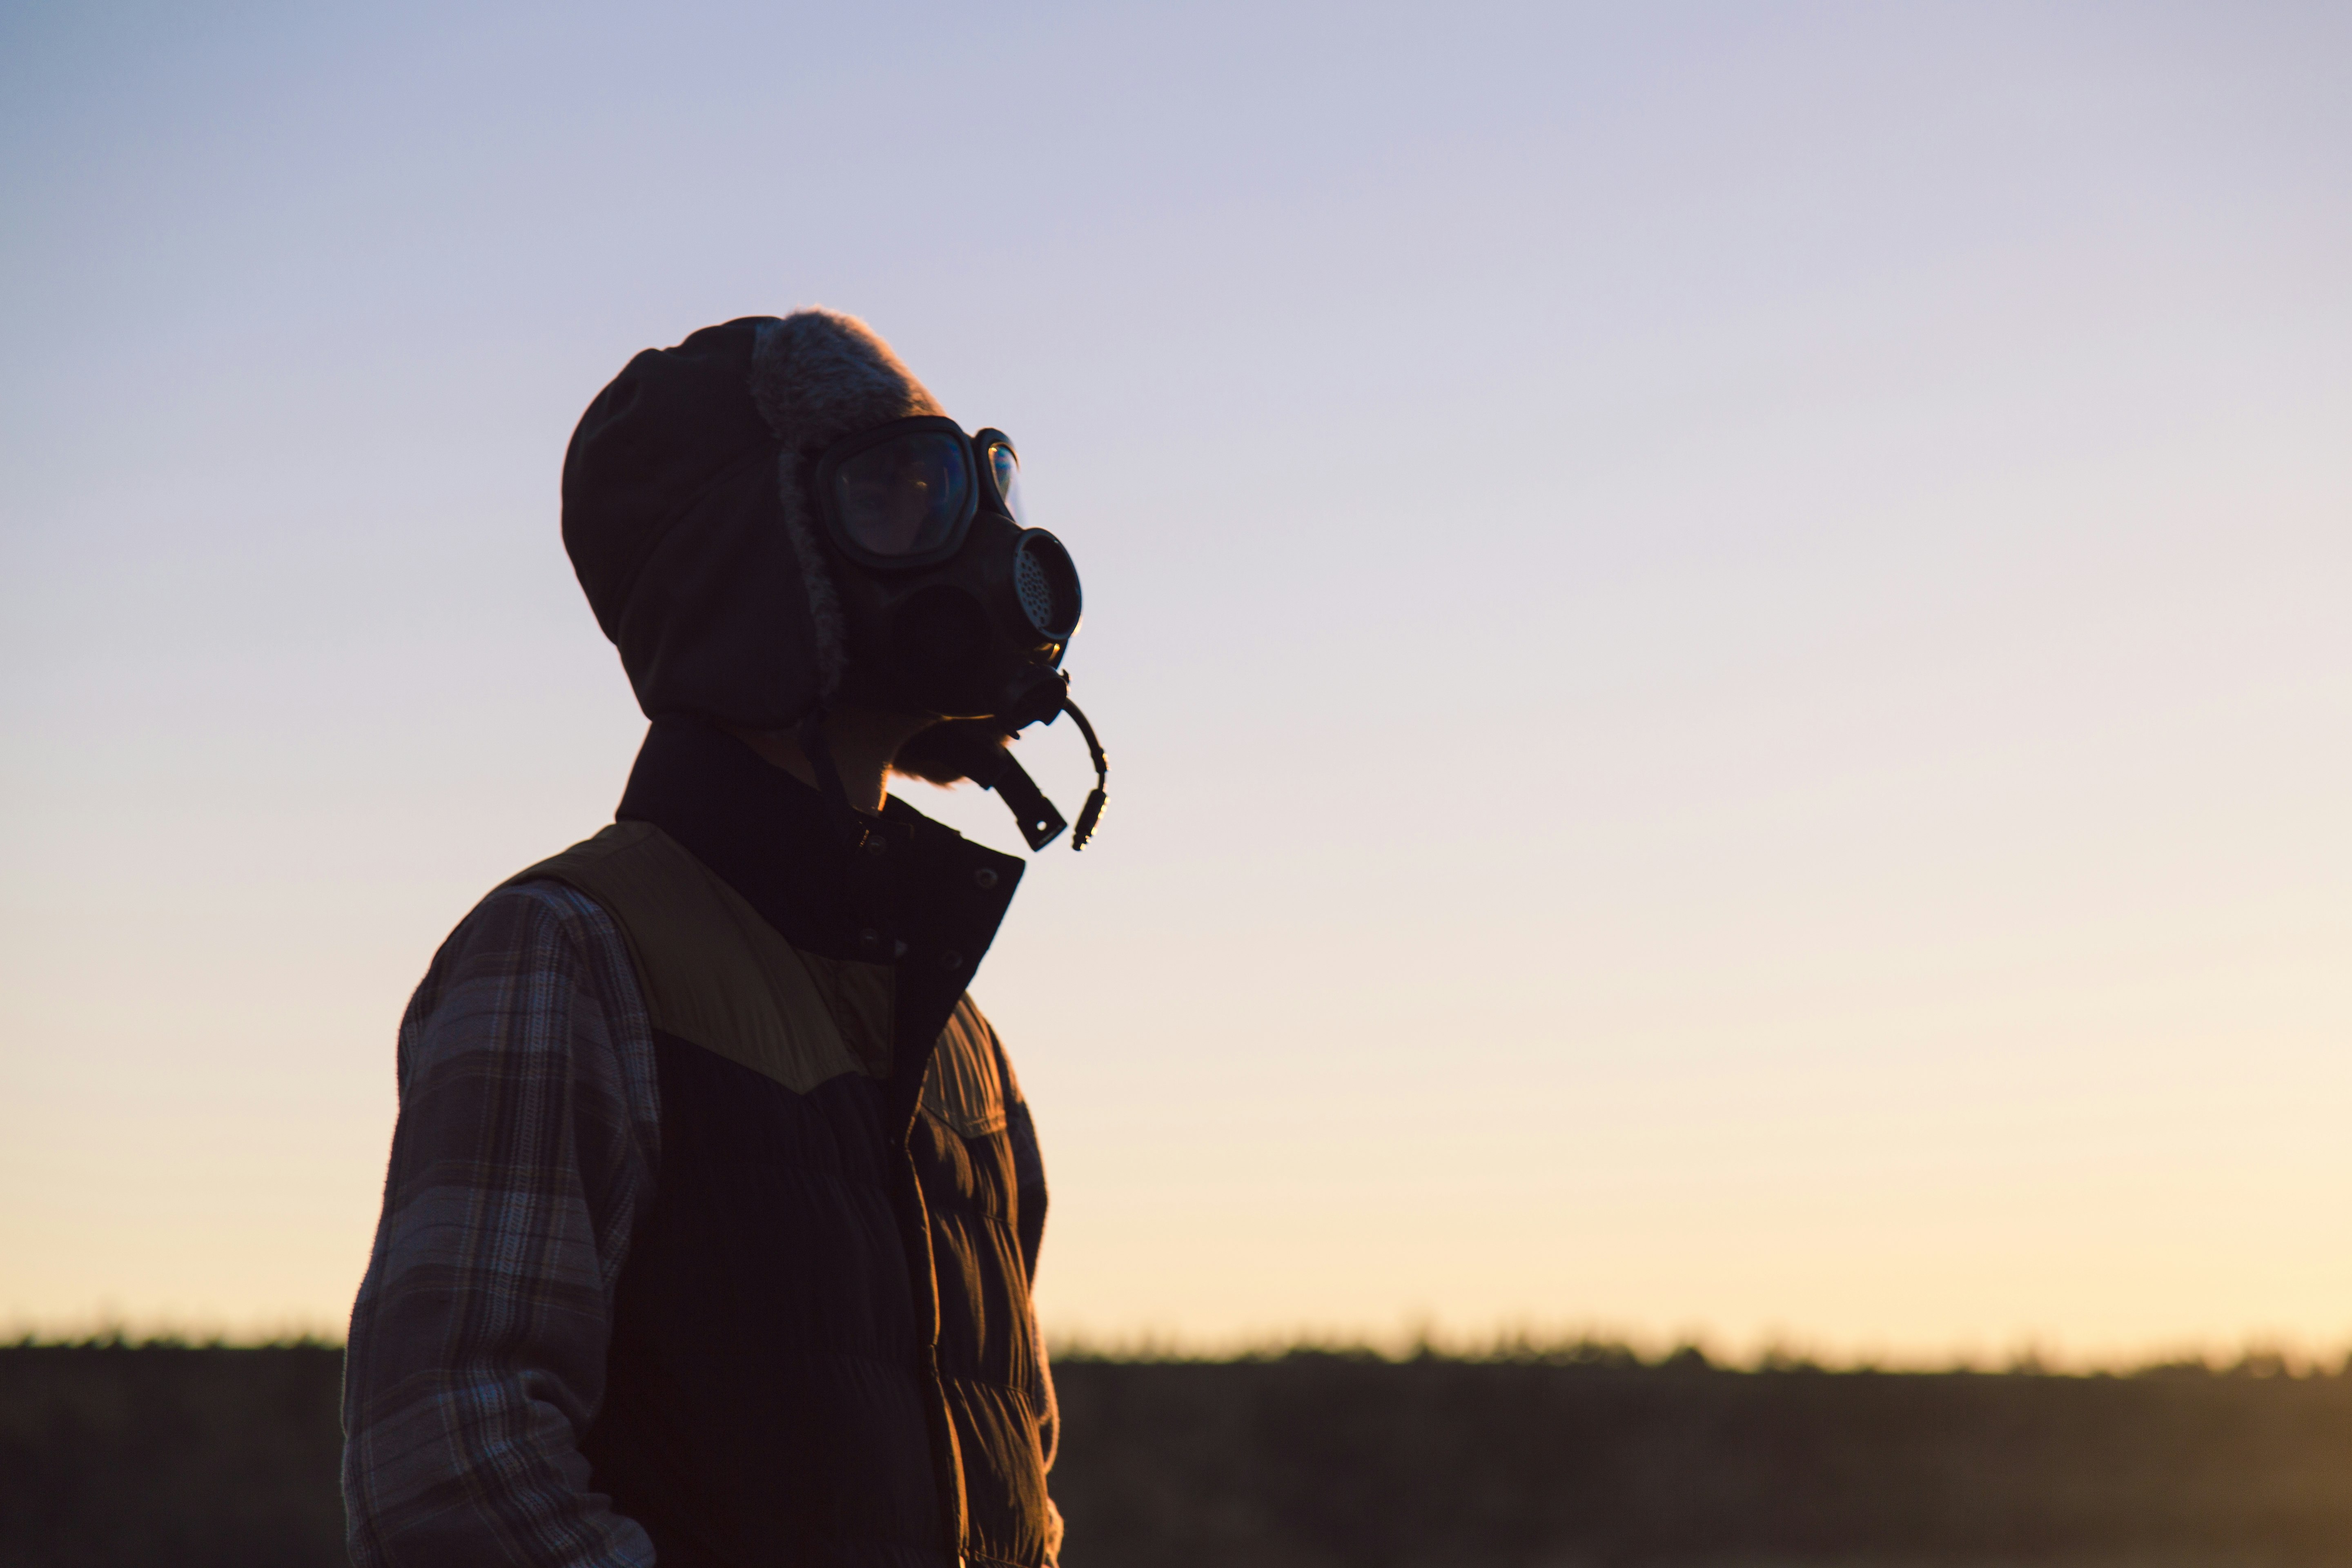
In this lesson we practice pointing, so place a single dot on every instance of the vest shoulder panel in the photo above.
(717, 975)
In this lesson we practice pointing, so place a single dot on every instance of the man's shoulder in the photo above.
(534, 958)
(547, 916)
(525, 927)
(618, 844)
(639, 875)
(553, 893)
(581, 895)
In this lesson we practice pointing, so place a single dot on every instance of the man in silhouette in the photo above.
(713, 1203)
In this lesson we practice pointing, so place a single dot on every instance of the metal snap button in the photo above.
(985, 876)
(952, 960)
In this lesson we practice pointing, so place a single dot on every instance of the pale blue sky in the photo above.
(1722, 627)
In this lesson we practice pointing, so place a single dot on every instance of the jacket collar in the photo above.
(934, 899)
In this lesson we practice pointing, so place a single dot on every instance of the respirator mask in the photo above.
(954, 606)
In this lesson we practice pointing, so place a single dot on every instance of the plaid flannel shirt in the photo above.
(526, 1148)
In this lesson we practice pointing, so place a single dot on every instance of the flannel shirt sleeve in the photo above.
(523, 1155)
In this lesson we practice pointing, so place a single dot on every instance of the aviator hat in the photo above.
(687, 514)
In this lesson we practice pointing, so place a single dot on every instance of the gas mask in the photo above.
(954, 606)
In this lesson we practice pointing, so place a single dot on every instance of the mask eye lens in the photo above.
(906, 496)
(1005, 469)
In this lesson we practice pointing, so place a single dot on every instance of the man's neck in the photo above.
(861, 741)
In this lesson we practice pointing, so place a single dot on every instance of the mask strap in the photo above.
(994, 768)
(1041, 821)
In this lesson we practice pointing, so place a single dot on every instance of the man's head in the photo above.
(774, 518)
(687, 514)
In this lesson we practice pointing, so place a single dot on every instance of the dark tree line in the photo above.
(116, 1454)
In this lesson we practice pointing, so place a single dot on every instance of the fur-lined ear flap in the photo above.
(951, 753)
(817, 376)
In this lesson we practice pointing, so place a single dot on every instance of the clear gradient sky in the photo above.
(1725, 630)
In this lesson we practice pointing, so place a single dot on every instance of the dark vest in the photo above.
(822, 1347)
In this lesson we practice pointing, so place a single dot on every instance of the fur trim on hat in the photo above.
(817, 376)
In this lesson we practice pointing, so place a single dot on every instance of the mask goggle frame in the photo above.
(903, 496)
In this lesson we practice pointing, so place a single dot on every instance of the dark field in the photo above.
(194, 1457)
